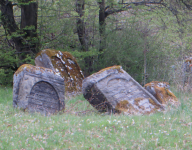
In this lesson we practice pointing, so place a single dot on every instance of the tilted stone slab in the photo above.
(161, 91)
(65, 65)
(113, 89)
(38, 89)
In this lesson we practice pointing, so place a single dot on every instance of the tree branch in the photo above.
(143, 3)
(187, 5)
(109, 11)
(12, 67)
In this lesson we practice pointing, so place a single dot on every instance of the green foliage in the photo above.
(57, 25)
(169, 39)
(6, 76)
(8, 63)
(126, 47)
(29, 59)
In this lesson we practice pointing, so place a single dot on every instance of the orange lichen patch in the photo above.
(162, 92)
(116, 67)
(141, 105)
(136, 102)
(67, 67)
(188, 60)
(153, 103)
(154, 83)
(112, 67)
(139, 99)
(170, 93)
(124, 106)
(32, 69)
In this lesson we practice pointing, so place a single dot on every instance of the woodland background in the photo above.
(149, 38)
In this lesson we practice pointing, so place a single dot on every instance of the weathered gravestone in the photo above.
(186, 84)
(65, 65)
(113, 89)
(161, 91)
(38, 89)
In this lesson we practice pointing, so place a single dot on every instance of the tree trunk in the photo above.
(82, 37)
(29, 25)
(102, 25)
(25, 38)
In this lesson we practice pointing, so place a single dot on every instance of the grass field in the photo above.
(81, 128)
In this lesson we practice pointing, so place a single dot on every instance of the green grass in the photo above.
(81, 127)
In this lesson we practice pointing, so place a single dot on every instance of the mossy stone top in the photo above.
(65, 65)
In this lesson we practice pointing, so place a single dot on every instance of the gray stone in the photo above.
(38, 89)
(112, 89)
(65, 65)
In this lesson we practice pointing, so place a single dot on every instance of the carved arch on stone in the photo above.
(43, 98)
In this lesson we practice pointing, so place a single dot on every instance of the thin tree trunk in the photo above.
(29, 25)
(102, 26)
(82, 36)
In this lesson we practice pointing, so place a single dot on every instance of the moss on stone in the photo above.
(188, 60)
(67, 67)
(32, 69)
(162, 93)
(124, 106)
(116, 67)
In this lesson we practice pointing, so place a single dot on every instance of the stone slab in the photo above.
(65, 65)
(38, 89)
(112, 89)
